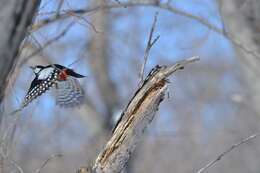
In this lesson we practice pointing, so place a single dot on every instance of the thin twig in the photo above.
(80, 17)
(47, 161)
(59, 7)
(19, 168)
(11, 161)
(48, 43)
(150, 44)
(213, 162)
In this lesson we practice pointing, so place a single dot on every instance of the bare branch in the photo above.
(135, 118)
(59, 7)
(47, 161)
(152, 3)
(80, 17)
(234, 146)
(19, 168)
(11, 161)
(48, 43)
(150, 44)
(67, 13)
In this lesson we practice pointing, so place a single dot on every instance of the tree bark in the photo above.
(134, 120)
(15, 17)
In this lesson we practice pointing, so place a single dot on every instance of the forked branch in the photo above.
(150, 44)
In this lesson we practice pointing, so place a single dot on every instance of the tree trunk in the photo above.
(99, 62)
(242, 23)
(15, 17)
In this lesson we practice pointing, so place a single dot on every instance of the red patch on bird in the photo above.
(63, 75)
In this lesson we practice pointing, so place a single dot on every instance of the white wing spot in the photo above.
(45, 73)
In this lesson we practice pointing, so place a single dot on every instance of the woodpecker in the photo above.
(68, 91)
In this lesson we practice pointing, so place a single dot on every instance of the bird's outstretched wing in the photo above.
(34, 83)
(69, 93)
(38, 87)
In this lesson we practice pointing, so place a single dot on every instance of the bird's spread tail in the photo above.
(69, 93)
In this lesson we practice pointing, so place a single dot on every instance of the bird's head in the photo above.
(36, 69)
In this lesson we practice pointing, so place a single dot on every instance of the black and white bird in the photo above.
(68, 91)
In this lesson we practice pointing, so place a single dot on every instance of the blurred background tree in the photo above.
(211, 105)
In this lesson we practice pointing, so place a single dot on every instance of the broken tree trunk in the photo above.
(134, 120)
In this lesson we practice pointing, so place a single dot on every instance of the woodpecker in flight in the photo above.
(67, 88)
